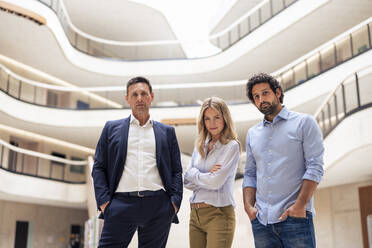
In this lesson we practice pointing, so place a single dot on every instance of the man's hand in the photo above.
(249, 199)
(294, 211)
(103, 206)
(298, 209)
(215, 168)
(175, 207)
(251, 212)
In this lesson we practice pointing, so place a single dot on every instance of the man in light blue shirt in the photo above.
(283, 168)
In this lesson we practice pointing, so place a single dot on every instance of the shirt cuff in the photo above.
(312, 177)
(176, 200)
(249, 182)
(102, 201)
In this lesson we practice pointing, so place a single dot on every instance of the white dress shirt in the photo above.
(140, 170)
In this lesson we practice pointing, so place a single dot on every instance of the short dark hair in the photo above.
(263, 78)
(137, 80)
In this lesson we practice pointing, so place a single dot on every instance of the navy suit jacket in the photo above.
(111, 153)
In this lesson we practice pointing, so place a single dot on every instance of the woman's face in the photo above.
(214, 122)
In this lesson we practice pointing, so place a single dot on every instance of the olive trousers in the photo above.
(212, 227)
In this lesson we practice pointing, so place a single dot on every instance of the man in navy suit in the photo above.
(137, 175)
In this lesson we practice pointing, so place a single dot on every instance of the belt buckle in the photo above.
(139, 194)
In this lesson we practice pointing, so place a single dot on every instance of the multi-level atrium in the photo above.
(64, 65)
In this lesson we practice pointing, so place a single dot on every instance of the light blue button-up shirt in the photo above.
(215, 188)
(280, 155)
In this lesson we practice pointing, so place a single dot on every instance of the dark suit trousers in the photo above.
(150, 216)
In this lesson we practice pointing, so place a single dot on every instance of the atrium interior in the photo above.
(64, 65)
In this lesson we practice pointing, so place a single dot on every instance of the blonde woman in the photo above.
(211, 176)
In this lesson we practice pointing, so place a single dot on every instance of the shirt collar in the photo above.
(133, 120)
(216, 145)
(282, 115)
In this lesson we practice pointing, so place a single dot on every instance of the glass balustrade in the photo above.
(114, 97)
(162, 49)
(345, 48)
(254, 19)
(352, 95)
(348, 46)
(30, 163)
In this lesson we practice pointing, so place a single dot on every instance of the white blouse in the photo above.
(215, 188)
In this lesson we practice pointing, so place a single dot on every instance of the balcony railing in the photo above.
(173, 95)
(40, 165)
(343, 48)
(352, 95)
(252, 20)
(166, 49)
(349, 45)
(55, 96)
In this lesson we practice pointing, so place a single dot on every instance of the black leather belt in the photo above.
(145, 193)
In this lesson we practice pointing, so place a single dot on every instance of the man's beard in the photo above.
(270, 108)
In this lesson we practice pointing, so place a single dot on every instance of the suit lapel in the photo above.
(123, 144)
(158, 137)
(124, 140)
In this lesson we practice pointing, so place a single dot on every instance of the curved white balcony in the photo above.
(84, 126)
(347, 46)
(345, 119)
(175, 68)
(34, 177)
(163, 49)
(348, 151)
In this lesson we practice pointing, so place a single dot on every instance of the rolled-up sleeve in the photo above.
(250, 176)
(313, 149)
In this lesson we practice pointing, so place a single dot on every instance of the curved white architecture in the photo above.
(15, 187)
(251, 46)
(26, 176)
(88, 123)
(285, 38)
(174, 67)
(348, 148)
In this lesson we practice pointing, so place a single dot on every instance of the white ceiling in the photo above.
(120, 20)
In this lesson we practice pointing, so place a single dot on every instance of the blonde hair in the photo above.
(228, 132)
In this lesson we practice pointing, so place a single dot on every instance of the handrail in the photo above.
(107, 97)
(340, 49)
(350, 96)
(82, 92)
(241, 19)
(49, 141)
(42, 155)
(112, 97)
(352, 43)
(31, 163)
(115, 88)
(247, 20)
(107, 48)
(23, 12)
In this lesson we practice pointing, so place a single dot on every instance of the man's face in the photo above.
(139, 98)
(265, 99)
